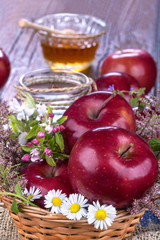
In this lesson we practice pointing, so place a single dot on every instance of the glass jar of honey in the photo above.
(74, 47)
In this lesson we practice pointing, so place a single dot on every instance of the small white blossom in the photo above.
(22, 138)
(28, 111)
(33, 193)
(42, 109)
(21, 116)
(15, 105)
(5, 127)
(101, 215)
(75, 206)
(54, 200)
(23, 110)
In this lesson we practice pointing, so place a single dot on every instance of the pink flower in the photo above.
(35, 155)
(62, 128)
(40, 134)
(42, 118)
(48, 152)
(49, 129)
(56, 129)
(35, 141)
(29, 144)
(26, 158)
(51, 115)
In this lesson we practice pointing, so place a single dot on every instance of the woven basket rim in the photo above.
(39, 212)
(37, 223)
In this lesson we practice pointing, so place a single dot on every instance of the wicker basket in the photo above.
(36, 223)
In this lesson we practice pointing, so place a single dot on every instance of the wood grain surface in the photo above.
(131, 24)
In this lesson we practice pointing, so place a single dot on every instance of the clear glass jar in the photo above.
(57, 88)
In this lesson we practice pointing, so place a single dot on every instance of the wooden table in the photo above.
(133, 24)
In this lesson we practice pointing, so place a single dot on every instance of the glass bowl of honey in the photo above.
(75, 43)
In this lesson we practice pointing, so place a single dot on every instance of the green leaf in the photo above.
(51, 142)
(140, 91)
(141, 106)
(13, 123)
(50, 161)
(41, 140)
(59, 140)
(49, 109)
(33, 132)
(20, 125)
(62, 120)
(12, 136)
(14, 206)
(154, 144)
(18, 190)
(133, 102)
(33, 123)
(60, 155)
(26, 149)
(30, 100)
(17, 122)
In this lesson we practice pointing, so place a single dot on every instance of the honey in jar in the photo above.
(73, 56)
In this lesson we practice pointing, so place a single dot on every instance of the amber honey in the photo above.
(73, 57)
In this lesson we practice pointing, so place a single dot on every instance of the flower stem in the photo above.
(20, 197)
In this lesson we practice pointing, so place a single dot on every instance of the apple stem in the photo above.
(123, 154)
(104, 104)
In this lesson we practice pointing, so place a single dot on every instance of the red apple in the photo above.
(4, 68)
(112, 165)
(45, 177)
(136, 62)
(120, 81)
(94, 110)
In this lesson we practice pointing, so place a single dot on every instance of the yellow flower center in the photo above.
(56, 201)
(30, 196)
(74, 207)
(101, 214)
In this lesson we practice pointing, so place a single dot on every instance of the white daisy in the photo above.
(101, 216)
(32, 193)
(54, 200)
(75, 206)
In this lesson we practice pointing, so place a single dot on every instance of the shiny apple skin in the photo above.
(81, 115)
(4, 68)
(120, 81)
(136, 62)
(45, 177)
(99, 172)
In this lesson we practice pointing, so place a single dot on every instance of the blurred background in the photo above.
(131, 24)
